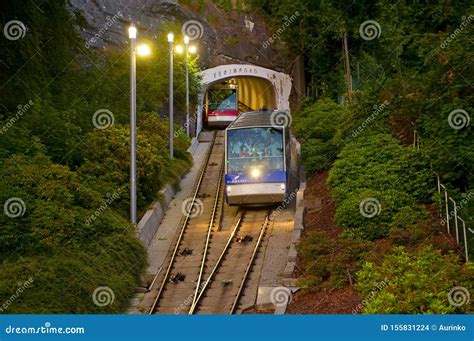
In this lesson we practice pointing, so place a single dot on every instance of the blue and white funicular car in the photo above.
(257, 156)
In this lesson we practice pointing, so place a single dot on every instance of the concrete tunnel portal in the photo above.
(258, 87)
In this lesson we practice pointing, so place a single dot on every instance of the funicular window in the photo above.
(222, 99)
(254, 148)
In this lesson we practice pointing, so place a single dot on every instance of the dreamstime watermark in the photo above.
(281, 296)
(459, 119)
(285, 203)
(459, 296)
(377, 110)
(14, 30)
(183, 129)
(100, 34)
(14, 207)
(188, 301)
(378, 287)
(46, 329)
(103, 296)
(280, 119)
(193, 29)
(103, 119)
(21, 287)
(370, 30)
(108, 201)
(191, 207)
(466, 197)
(21, 110)
(288, 21)
(370, 207)
(465, 21)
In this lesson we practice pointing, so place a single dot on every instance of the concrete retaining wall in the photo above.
(147, 226)
(298, 228)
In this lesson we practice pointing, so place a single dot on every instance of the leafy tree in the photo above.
(48, 46)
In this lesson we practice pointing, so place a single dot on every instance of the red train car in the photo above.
(222, 105)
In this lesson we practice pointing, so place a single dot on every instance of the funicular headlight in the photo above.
(255, 172)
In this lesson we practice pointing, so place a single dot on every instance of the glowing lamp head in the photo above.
(170, 37)
(179, 49)
(132, 32)
(192, 49)
(186, 40)
(255, 173)
(143, 50)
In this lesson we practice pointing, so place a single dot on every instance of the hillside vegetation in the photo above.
(67, 244)
(411, 71)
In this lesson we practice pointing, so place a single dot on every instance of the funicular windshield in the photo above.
(222, 99)
(254, 148)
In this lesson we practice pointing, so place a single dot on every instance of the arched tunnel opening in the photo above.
(234, 95)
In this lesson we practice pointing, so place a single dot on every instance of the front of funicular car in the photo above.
(222, 106)
(255, 165)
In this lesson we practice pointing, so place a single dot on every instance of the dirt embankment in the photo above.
(320, 217)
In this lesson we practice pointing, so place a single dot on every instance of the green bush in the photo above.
(107, 154)
(328, 261)
(377, 173)
(49, 235)
(423, 233)
(379, 162)
(318, 126)
(18, 140)
(64, 282)
(370, 214)
(413, 283)
(317, 155)
(56, 130)
(56, 207)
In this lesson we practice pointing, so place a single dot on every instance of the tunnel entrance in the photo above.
(229, 97)
(234, 88)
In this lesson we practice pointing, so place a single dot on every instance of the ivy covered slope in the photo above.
(64, 172)
(391, 249)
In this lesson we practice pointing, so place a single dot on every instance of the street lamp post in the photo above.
(188, 50)
(134, 50)
(186, 47)
(132, 34)
(170, 41)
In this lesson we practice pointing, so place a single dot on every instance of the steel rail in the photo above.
(214, 270)
(250, 264)
(209, 230)
(183, 226)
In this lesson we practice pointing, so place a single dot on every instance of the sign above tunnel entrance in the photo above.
(281, 81)
(251, 71)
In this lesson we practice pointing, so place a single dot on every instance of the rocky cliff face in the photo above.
(223, 36)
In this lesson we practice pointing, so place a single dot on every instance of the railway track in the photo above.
(209, 268)
(227, 279)
(179, 283)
